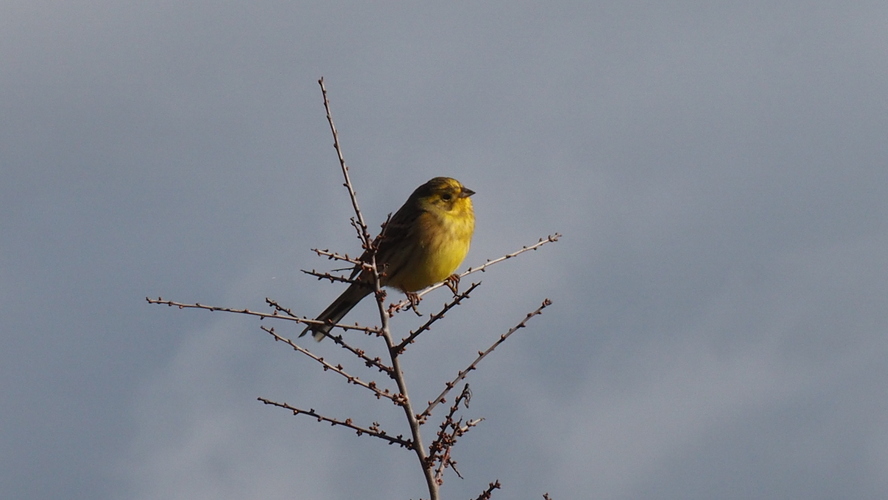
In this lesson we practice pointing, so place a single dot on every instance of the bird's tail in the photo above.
(337, 310)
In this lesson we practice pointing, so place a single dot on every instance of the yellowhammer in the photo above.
(423, 243)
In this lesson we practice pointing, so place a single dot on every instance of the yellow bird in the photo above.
(423, 243)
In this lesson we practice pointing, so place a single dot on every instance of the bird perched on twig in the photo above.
(423, 243)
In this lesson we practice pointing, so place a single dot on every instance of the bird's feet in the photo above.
(452, 283)
(414, 299)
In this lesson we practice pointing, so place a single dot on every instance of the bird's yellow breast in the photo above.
(445, 237)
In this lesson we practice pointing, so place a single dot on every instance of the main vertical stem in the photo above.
(383, 314)
(415, 430)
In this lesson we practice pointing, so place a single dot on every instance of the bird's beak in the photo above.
(466, 192)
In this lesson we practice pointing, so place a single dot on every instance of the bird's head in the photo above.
(443, 194)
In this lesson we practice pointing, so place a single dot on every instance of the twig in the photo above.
(399, 349)
(279, 308)
(362, 233)
(548, 239)
(486, 494)
(358, 263)
(380, 393)
(373, 430)
(481, 355)
(330, 277)
(336, 256)
(248, 312)
(441, 447)
(482, 268)
(368, 361)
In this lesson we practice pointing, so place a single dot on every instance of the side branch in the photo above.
(449, 431)
(482, 268)
(481, 355)
(368, 361)
(181, 305)
(366, 329)
(486, 494)
(548, 239)
(280, 308)
(328, 276)
(373, 430)
(380, 393)
(397, 350)
(336, 256)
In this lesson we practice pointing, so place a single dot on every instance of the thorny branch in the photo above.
(380, 393)
(481, 355)
(196, 305)
(373, 430)
(279, 308)
(368, 361)
(336, 256)
(360, 353)
(280, 312)
(332, 278)
(486, 494)
(399, 349)
(448, 433)
(363, 233)
(482, 268)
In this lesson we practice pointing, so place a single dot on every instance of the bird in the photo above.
(423, 243)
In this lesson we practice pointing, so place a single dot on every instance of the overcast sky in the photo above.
(719, 171)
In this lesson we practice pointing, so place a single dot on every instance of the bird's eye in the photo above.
(446, 196)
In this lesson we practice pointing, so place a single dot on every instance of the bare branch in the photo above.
(181, 305)
(362, 226)
(482, 268)
(279, 308)
(380, 393)
(548, 239)
(399, 349)
(481, 355)
(486, 494)
(336, 256)
(368, 361)
(449, 431)
(332, 278)
(412, 421)
(373, 430)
